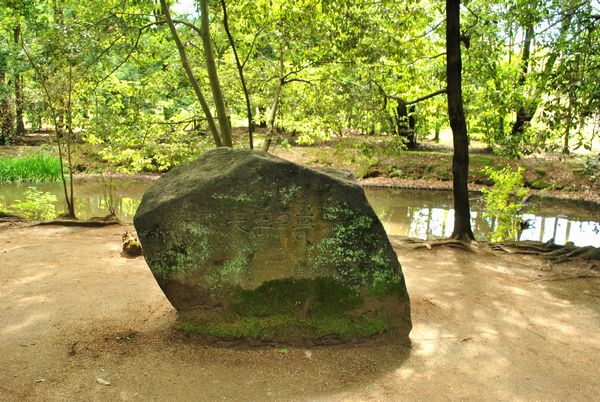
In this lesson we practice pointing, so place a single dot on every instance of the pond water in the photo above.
(424, 214)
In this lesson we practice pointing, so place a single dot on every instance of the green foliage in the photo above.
(343, 64)
(37, 205)
(288, 194)
(502, 201)
(394, 145)
(34, 168)
(592, 166)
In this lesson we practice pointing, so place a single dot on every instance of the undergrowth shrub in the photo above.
(503, 201)
(35, 168)
(37, 205)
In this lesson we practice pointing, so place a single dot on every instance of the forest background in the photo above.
(109, 78)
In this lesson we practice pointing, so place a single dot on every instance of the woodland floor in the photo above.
(486, 327)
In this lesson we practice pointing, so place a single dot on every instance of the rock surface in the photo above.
(239, 237)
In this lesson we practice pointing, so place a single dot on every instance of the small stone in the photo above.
(102, 381)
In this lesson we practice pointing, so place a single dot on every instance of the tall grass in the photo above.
(34, 168)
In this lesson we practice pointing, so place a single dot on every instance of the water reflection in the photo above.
(403, 212)
(93, 196)
(424, 214)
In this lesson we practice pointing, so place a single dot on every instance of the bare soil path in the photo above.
(486, 327)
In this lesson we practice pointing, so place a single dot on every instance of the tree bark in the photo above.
(274, 106)
(6, 117)
(405, 123)
(460, 161)
(69, 139)
(240, 69)
(190, 74)
(20, 124)
(524, 113)
(215, 86)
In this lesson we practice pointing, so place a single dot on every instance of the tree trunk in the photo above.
(263, 122)
(567, 134)
(190, 74)
(460, 161)
(51, 105)
(20, 124)
(436, 134)
(69, 139)
(6, 117)
(524, 113)
(240, 69)
(274, 107)
(213, 77)
(405, 123)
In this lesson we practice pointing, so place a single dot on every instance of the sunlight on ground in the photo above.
(38, 299)
(34, 278)
(27, 322)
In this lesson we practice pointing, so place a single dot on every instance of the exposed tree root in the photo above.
(91, 223)
(4, 217)
(549, 250)
(413, 244)
(568, 278)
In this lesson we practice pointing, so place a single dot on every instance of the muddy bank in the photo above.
(73, 311)
(386, 182)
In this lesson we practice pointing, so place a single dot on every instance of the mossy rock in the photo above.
(248, 245)
(539, 185)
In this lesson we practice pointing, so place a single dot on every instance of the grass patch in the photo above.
(35, 168)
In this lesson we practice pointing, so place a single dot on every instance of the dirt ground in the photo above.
(74, 313)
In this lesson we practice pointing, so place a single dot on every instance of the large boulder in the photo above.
(248, 245)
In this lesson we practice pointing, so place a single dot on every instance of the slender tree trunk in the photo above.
(20, 124)
(567, 134)
(524, 113)
(61, 104)
(272, 116)
(190, 74)
(240, 69)
(436, 136)
(51, 105)
(460, 161)
(71, 200)
(6, 116)
(405, 123)
(274, 106)
(222, 115)
(572, 96)
(262, 123)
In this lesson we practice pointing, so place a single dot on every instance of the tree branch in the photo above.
(424, 98)
(397, 98)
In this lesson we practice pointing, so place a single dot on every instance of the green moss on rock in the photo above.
(292, 309)
(340, 249)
